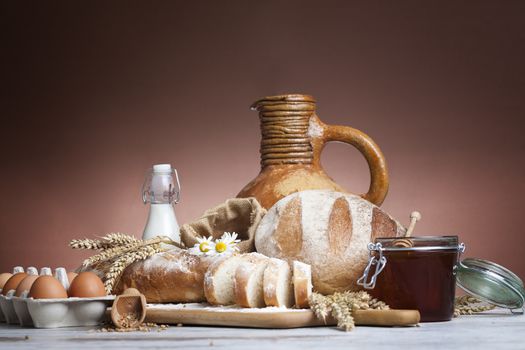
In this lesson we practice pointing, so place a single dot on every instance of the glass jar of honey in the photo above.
(415, 273)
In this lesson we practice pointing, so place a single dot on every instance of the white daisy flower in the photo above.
(204, 246)
(227, 244)
(230, 238)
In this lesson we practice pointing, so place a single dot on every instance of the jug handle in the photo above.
(376, 160)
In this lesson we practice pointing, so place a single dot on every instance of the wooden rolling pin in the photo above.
(386, 317)
(198, 314)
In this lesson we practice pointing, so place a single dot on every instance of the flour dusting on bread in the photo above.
(336, 228)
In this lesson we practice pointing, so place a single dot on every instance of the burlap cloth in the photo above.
(240, 215)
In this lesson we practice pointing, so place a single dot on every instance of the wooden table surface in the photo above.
(495, 330)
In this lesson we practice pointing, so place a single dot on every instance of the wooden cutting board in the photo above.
(270, 317)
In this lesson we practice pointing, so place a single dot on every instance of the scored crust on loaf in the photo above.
(248, 283)
(289, 232)
(382, 225)
(339, 229)
(218, 281)
(302, 284)
(277, 282)
(335, 229)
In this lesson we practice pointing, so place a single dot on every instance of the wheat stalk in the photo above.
(116, 270)
(468, 305)
(112, 253)
(342, 305)
(109, 254)
(118, 251)
(120, 264)
(111, 240)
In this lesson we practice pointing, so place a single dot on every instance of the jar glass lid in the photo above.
(419, 243)
(491, 282)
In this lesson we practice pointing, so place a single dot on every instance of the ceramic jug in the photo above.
(293, 138)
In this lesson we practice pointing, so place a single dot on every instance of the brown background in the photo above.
(92, 94)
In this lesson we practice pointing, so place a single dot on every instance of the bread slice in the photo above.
(219, 280)
(277, 282)
(302, 284)
(249, 281)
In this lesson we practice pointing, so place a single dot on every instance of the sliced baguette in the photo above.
(249, 281)
(219, 280)
(277, 282)
(302, 284)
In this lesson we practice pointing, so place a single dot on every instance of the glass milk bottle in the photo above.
(161, 189)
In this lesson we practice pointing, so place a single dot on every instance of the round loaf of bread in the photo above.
(329, 231)
(174, 276)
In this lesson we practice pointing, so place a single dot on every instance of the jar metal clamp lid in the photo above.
(380, 260)
(483, 279)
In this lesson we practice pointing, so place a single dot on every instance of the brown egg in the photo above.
(47, 287)
(4, 277)
(25, 284)
(13, 282)
(71, 276)
(87, 285)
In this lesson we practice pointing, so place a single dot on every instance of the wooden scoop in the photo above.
(129, 309)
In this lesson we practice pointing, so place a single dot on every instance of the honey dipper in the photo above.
(415, 216)
(129, 309)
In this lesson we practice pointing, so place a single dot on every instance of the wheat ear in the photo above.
(119, 239)
(320, 306)
(343, 314)
(120, 264)
(87, 244)
(117, 251)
